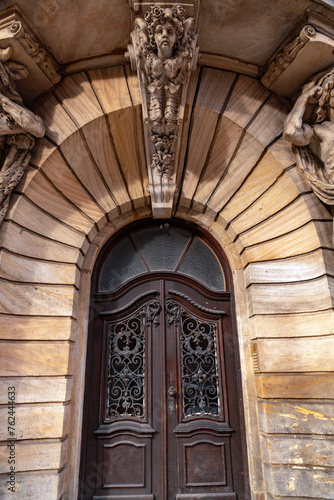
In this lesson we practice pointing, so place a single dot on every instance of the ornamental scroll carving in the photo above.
(163, 52)
(43, 60)
(18, 129)
(310, 128)
(287, 55)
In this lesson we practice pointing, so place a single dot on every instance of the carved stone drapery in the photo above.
(310, 128)
(163, 52)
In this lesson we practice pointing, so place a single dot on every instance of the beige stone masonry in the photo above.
(239, 181)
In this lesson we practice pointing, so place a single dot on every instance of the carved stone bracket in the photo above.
(163, 52)
(307, 52)
(287, 55)
(18, 125)
(27, 50)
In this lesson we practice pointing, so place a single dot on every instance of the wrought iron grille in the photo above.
(126, 367)
(199, 366)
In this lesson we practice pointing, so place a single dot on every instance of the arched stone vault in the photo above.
(239, 181)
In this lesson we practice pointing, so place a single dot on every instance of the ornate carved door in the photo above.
(162, 395)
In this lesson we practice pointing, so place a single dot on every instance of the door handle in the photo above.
(171, 400)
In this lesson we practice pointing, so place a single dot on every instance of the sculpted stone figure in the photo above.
(18, 127)
(165, 44)
(311, 124)
(163, 51)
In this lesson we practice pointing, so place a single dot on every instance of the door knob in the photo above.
(172, 392)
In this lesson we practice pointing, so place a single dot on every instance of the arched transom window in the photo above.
(159, 249)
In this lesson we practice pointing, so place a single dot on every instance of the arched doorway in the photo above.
(163, 399)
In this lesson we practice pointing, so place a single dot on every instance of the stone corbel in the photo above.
(28, 51)
(309, 51)
(163, 52)
(21, 58)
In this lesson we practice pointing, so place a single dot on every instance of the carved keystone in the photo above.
(163, 52)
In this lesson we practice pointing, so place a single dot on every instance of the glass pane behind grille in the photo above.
(126, 368)
(201, 263)
(122, 264)
(200, 376)
(161, 247)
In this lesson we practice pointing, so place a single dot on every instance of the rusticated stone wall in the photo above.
(239, 180)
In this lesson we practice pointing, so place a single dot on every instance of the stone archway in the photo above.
(240, 182)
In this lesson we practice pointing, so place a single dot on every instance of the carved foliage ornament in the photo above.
(163, 51)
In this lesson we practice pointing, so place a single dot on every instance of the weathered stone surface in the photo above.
(296, 355)
(293, 385)
(46, 196)
(36, 359)
(299, 268)
(27, 215)
(36, 421)
(110, 86)
(42, 455)
(300, 297)
(263, 176)
(78, 155)
(33, 485)
(16, 268)
(298, 450)
(213, 91)
(242, 162)
(37, 299)
(28, 244)
(308, 482)
(78, 99)
(226, 139)
(35, 328)
(36, 389)
(247, 97)
(292, 217)
(294, 325)
(298, 417)
(63, 177)
(101, 145)
(57, 122)
(300, 241)
(283, 192)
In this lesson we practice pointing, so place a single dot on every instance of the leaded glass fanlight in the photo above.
(161, 248)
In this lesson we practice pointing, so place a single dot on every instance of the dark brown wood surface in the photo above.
(163, 455)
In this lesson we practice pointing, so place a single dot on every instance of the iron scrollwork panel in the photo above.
(126, 375)
(201, 385)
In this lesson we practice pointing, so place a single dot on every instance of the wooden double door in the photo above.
(162, 397)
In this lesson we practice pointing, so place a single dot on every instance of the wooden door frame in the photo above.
(212, 243)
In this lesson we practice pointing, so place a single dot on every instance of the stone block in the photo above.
(296, 417)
